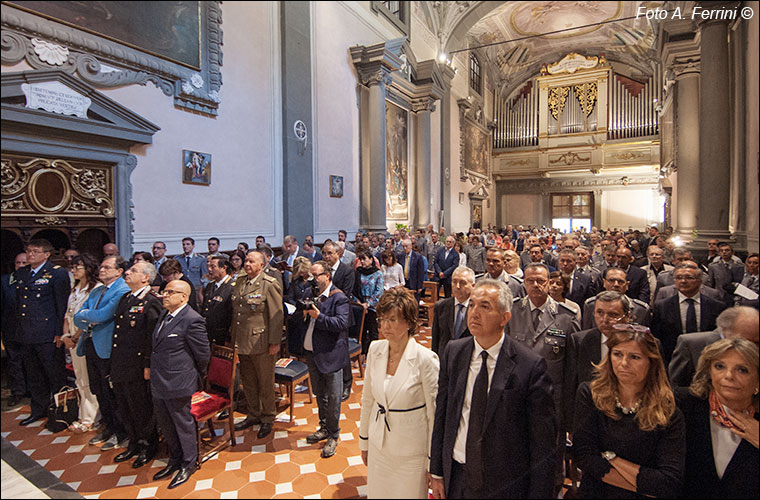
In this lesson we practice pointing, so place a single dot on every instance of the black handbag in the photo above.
(64, 409)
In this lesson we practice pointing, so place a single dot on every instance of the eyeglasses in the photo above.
(172, 292)
(610, 316)
(159, 248)
(616, 281)
(33, 252)
(685, 278)
(79, 267)
(106, 267)
(530, 281)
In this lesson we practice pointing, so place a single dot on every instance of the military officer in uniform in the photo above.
(257, 332)
(217, 301)
(42, 291)
(136, 317)
(615, 280)
(545, 326)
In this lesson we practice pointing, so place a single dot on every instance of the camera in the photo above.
(310, 302)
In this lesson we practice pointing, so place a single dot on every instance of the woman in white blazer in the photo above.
(398, 402)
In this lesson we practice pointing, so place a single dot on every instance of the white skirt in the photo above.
(391, 476)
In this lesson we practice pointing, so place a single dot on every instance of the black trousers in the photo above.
(178, 428)
(135, 408)
(44, 365)
(99, 372)
(15, 367)
(458, 487)
(446, 283)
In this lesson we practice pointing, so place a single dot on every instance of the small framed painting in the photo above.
(336, 186)
(196, 167)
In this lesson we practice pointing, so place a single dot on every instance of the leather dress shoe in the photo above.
(248, 422)
(125, 455)
(13, 401)
(101, 437)
(264, 430)
(30, 419)
(166, 471)
(223, 414)
(145, 456)
(318, 436)
(329, 449)
(182, 476)
(346, 394)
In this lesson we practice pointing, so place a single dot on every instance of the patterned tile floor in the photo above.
(282, 465)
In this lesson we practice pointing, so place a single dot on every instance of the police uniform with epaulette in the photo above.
(217, 310)
(135, 319)
(257, 319)
(41, 306)
(551, 339)
(639, 313)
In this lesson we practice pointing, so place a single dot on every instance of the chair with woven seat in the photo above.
(217, 396)
(355, 342)
(293, 373)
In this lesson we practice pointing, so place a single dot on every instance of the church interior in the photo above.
(134, 122)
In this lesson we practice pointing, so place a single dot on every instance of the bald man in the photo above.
(110, 250)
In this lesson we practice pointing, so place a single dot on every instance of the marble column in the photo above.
(447, 121)
(423, 108)
(715, 135)
(686, 161)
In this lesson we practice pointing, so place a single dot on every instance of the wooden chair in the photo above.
(430, 290)
(218, 396)
(294, 373)
(571, 472)
(354, 345)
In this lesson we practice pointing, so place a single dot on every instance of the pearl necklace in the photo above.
(627, 411)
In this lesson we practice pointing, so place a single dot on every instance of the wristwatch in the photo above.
(609, 455)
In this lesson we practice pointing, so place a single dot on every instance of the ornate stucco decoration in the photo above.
(586, 94)
(572, 63)
(557, 100)
(570, 158)
(104, 63)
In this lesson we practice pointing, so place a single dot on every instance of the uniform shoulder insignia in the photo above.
(590, 300)
(516, 299)
(56, 267)
(518, 279)
(269, 278)
(566, 307)
(641, 303)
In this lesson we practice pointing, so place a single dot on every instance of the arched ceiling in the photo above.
(628, 41)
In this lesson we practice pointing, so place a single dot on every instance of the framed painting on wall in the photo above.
(336, 186)
(196, 167)
(396, 162)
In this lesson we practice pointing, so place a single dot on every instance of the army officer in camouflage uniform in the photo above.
(257, 331)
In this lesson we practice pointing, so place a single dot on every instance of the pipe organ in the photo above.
(577, 95)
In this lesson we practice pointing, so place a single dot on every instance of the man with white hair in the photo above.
(738, 321)
(450, 314)
(346, 256)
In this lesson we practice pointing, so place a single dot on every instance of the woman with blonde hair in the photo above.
(512, 263)
(629, 435)
(721, 413)
(398, 402)
(299, 289)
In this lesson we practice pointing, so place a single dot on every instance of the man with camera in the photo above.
(326, 348)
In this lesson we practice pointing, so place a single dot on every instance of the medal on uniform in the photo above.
(555, 349)
(132, 323)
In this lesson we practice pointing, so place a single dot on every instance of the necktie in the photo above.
(691, 317)
(473, 449)
(536, 318)
(458, 321)
(406, 267)
(187, 260)
(168, 319)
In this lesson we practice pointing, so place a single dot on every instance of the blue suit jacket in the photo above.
(444, 265)
(180, 355)
(330, 336)
(41, 303)
(102, 317)
(416, 269)
(520, 421)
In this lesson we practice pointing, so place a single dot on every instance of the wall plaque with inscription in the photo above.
(55, 98)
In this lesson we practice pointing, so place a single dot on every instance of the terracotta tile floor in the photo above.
(282, 465)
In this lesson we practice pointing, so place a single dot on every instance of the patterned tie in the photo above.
(406, 267)
(691, 317)
(458, 322)
(474, 446)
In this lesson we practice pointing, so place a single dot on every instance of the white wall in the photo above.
(522, 209)
(630, 207)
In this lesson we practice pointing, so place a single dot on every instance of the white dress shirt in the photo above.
(684, 306)
(724, 445)
(460, 445)
(308, 343)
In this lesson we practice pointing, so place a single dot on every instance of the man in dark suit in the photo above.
(326, 347)
(42, 291)
(14, 349)
(537, 256)
(724, 273)
(477, 422)
(667, 291)
(750, 280)
(446, 261)
(582, 262)
(343, 278)
(610, 308)
(733, 322)
(615, 281)
(135, 319)
(178, 363)
(413, 266)
(637, 277)
(687, 312)
(217, 301)
(581, 284)
(495, 271)
(450, 314)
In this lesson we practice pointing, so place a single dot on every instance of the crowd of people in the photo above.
(614, 348)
